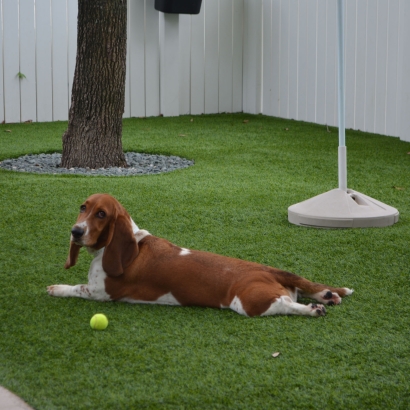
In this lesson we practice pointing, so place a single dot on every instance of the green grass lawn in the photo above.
(233, 201)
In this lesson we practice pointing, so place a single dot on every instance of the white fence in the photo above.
(277, 57)
(300, 63)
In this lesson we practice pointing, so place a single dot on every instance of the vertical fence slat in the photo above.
(370, 76)
(403, 117)
(284, 60)
(311, 63)
(275, 56)
(237, 50)
(137, 58)
(43, 61)
(331, 64)
(11, 64)
(381, 66)
(293, 59)
(151, 60)
(59, 59)
(252, 62)
(321, 64)
(127, 93)
(72, 43)
(211, 56)
(169, 65)
(392, 68)
(1, 68)
(267, 51)
(27, 61)
(350, 60)
(303, 79)
(184, 63)
(360, 88)
(225, 56)
(198, 62)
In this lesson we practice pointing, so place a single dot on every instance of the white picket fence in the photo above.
(276, 57)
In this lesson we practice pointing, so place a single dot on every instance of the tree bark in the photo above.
(93, 136)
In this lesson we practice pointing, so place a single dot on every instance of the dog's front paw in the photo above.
(317, 310)
(57, 290)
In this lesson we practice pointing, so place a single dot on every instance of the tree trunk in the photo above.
(93, 136)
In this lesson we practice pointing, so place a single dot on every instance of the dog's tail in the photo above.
(307, 288)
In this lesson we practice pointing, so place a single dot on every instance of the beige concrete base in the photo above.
(342, 209)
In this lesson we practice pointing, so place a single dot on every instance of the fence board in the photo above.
(72, 7)
(137, 58)
(152, 63)
(360, 85)
(27, 61)
(225, 56)
(404, 70)
(169, 65)
(392, 68)
(321, 65)
(293, 58)
(311, 79)
(184, 63)
(381, 66)
(1, 71)
(59, 59)
(211, 56)
(252, 62)
(350, 60)
(302, 62)
(370, 77)
(267, 58)
(11, 64)
(198, 62)
(331, 64)
(237, 50)
(127, 96)
(43, 61)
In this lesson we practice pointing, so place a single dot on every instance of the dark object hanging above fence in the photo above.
(178, 6)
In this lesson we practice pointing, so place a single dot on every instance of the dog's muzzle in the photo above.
(77, 232)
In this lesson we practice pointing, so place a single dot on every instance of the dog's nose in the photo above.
(77, 232)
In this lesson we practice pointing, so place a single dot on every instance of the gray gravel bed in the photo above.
(138, 164)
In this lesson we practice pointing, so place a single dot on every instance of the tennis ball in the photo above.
(99, 322)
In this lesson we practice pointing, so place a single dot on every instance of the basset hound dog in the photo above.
(131, 265)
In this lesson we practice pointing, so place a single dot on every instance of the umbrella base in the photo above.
(342, 209)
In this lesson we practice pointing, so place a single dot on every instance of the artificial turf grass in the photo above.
(233, 201)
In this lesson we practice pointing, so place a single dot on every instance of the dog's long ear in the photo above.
(121, 248)
(72, 255)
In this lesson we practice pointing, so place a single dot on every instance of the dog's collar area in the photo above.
(95, 252)
(138, 233)
(135, 228)
(141, 234)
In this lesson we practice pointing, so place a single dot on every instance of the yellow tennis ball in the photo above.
(99, 322)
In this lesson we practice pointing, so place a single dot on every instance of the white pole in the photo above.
(341, 98)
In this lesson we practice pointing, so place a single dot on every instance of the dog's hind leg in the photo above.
(285, 306)
(328, 295)
(264, 298)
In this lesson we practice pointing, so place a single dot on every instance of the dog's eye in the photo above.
(101, 214)
(82, 208)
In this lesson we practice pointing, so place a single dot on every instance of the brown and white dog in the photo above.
(131, 265)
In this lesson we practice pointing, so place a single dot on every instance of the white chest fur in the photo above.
(96, 278)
